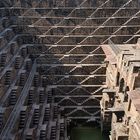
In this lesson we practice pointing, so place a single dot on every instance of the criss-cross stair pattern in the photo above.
(61, 38)
(70, 37)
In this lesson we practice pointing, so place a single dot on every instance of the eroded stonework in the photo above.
(52, 65)
(121, 100)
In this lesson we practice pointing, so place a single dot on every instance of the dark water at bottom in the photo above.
(86, 133)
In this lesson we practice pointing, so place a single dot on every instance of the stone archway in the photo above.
(125, 94)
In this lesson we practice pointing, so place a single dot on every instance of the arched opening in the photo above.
(121, 86)
(118, 78)
(125, 94)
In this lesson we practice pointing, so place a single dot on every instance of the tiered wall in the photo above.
(51, 59)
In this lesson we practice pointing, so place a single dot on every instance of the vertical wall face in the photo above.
(120, 101)
(51, 62)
